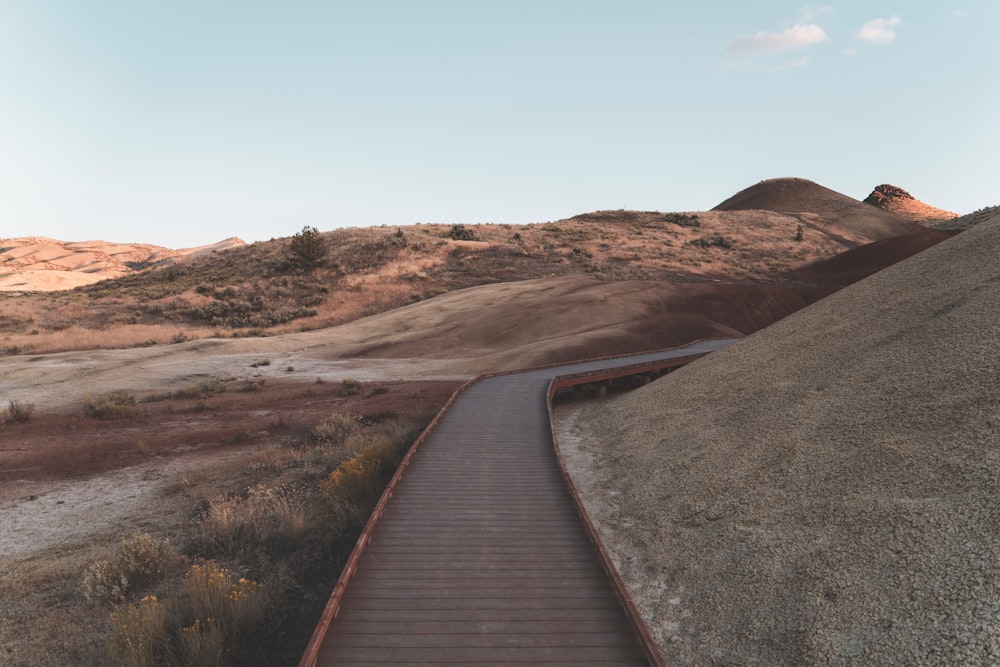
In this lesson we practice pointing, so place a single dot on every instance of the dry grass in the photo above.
(141, 562)
(209, 621)
(265, 516)
(257, 290)
(113, 405)
(16, 412)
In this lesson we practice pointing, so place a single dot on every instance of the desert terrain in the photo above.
(824, 491)
(229, 361)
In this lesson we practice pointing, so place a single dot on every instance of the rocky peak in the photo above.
(885, 193)
(899, 202)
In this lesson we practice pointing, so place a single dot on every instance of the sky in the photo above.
(186, 122)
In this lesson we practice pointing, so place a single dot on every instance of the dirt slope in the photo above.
(461, 334)
(826, 491)
(852, 265)
(801, 195)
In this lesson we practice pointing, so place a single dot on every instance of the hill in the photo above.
(803, 196)
(36, 263)
(900, 202)
(258, 289)
(824, 491)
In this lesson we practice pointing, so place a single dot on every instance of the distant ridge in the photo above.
(898, 201)
(41, 264)
(799, 195)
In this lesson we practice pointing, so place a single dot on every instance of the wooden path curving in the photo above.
(481, 556)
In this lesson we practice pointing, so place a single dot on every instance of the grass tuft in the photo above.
(114, 405)
(16, 411)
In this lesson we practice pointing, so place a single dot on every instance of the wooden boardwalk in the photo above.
(481, 556)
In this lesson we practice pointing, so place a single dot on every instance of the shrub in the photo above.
(337, 429)
(266, 517)
(203, 643)
(210, 625)
(196, 390)
(360, 478)
(462, 233)
(16, 411)
(718, 240)
(682, 219)
(350, 387)
(353, 482)
(215, 593)
(138, 634)
(308, 249)
(115, 405)
(141, 562)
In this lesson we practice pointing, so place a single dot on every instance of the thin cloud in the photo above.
(744, 65)
(879, 31)
(797, 37)
(808, 13)
(795, 64)
(961, 14)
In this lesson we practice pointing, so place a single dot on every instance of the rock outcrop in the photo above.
(898, 201)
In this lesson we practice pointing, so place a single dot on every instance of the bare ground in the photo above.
(823, 492)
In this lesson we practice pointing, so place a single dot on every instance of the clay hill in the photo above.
(740, 258)
(36, 263)
(900, 202)
(824, 491)
(799, 195)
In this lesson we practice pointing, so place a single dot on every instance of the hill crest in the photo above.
(800, 195)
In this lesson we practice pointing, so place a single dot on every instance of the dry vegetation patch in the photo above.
(267, 288)
(234, 557)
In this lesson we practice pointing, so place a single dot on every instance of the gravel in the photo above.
(826, 491)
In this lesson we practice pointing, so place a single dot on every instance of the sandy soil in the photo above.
(825, 491)
(37, 515)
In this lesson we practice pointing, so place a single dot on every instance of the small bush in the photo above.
(266, 518)
(203, 643)
(718, 240)
(197, 390)
(115, 405)
(138, 634)
(360, 478)
(16, 411)
(682, 219)
(215, 593)
(462, 233)
(308, 249)
(350, 387)
(337, 429)
(142, 561)
(210, 625)
(353, 482)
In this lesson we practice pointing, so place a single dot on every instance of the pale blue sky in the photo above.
(181, 123)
